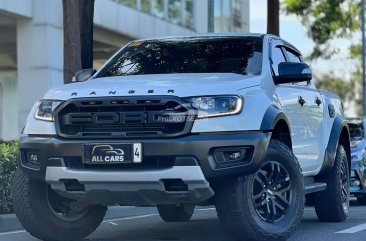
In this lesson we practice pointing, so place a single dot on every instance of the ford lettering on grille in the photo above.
(124, 117)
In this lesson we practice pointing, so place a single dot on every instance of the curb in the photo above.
(9, 222)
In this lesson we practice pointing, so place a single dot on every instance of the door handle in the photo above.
(318, 101)
(301, 101)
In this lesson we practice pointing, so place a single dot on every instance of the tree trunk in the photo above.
(273, 17)
(78, 36)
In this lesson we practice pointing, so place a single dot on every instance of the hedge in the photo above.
(9, 153)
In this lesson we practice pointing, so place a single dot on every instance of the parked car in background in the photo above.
(358, 164)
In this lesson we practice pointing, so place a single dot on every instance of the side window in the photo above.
(277, 58)
(293, 57)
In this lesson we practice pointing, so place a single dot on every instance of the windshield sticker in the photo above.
(135, 44)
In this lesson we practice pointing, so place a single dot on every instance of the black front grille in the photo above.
(129, 117)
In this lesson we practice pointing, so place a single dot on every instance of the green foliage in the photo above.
(326, 20)
(9, 153)
(130, 3)
(357, 78)
(356, 51)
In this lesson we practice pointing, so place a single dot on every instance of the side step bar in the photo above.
(315, 187)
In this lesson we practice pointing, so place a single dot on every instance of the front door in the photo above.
(298, 104)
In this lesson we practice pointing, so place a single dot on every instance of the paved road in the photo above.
(143, 224)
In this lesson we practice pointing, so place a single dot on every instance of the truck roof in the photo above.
(204, 35)
(215, 35)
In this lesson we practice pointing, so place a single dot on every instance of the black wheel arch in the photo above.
(339, 135)
(276, 122)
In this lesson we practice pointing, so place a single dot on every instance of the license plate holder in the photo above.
(112, 153)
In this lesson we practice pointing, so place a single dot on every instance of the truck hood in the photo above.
(181, 85)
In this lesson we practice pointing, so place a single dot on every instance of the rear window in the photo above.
(240, 55)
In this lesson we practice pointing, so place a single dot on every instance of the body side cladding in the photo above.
(338, 134)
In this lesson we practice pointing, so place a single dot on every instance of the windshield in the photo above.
(356, 131)
(240, 55)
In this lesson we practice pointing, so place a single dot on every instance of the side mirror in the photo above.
(83, 75)
(292, 73)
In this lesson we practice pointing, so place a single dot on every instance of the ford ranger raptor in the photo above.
(231, 120)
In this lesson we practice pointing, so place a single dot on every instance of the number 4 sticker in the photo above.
(137, 155)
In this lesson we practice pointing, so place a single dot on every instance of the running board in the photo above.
(315, 187)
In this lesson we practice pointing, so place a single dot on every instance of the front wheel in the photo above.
(48, 216)
(267, 205)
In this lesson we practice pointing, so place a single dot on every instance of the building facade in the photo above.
(31, 41)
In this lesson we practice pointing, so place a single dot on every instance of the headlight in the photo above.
(45, 109)
(212, 106)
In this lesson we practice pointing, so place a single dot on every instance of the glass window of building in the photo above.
(180, 12)
(130, 3)
(145, 6)
(175, 11)
(218, 15)
(223, 16)
(189, 17)
(237, 16)
(226, 16)
(158, 8)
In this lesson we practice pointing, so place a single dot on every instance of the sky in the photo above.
(295, 33)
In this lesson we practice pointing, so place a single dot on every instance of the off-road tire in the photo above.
(328, 203)
(176, 213)
(33, 212)
(237, 212)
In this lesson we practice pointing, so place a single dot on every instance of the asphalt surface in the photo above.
(142, 224)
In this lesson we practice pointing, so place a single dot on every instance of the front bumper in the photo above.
(190, 159)
(134, 188)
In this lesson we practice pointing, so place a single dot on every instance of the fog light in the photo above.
(233, 154)
(33, 158)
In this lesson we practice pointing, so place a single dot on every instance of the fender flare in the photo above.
(271, 117)
(330, 152)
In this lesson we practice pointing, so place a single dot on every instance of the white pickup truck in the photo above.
(231, 120)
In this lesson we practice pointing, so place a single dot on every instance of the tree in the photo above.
(348, 91)
(273, 17)
(326, 20)
(78, 36)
